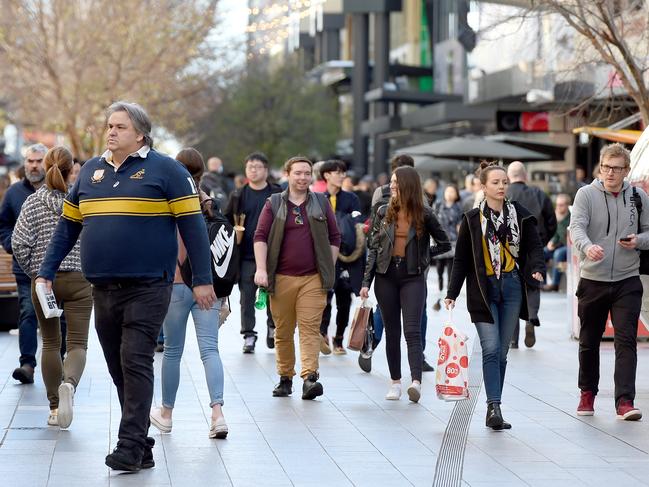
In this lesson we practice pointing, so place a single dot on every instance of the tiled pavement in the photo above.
(351, 436)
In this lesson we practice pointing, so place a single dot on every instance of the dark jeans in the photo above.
(505, 299)
(378, 327)
(442, 264)
(399, 293)
(343, 291)
(248, 295)
(27, 322)
(128, 319)
(595, 301)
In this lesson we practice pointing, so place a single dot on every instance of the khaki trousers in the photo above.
(71, 289)
(297, 300)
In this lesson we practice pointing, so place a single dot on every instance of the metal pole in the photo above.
(360, 27)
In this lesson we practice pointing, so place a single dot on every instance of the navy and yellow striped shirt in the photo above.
(127, 219)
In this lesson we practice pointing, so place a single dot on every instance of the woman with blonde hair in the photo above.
(34, 228)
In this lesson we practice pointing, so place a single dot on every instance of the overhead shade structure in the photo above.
(625, 136)
(556, 152)
(437, 164)
(473, 149)
(640, 159)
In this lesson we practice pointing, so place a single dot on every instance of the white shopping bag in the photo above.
(452, 376)
(47, 301)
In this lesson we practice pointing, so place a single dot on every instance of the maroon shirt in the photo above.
(297, 254)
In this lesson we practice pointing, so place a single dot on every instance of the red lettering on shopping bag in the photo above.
(444, 351)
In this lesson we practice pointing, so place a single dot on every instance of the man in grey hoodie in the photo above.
(604, 229)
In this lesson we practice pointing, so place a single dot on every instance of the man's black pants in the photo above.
(623, 300)
(343, 291)
(128, 318)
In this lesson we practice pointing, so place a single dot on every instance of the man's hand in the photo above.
(631, 244)
(550, 245)
(595, 253)
(365, 293)
(48, 284)
(261, 278)
(204, 296)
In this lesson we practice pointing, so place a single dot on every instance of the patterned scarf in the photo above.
(497, 228)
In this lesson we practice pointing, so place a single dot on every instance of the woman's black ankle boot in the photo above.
(494, 416)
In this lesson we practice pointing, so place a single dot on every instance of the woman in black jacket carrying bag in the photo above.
(498, 250)
(399, 253)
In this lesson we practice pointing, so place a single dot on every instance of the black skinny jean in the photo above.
(623, 300)
(343, 291)
(441, 264)
(128, 318)
(399, 293)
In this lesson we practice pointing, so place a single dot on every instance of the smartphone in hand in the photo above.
(625, 239)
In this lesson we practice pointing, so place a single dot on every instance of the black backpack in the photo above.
(224, 255)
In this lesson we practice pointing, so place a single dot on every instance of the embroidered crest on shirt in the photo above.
(97, 176)
(138, 175)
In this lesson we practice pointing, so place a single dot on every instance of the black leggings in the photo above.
(397, 293)
(441, 264)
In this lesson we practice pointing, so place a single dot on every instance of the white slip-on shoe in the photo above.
(53, 418)
(414, 392)
(163, 424)
(394, 393)
(66, 404)
(218, 429)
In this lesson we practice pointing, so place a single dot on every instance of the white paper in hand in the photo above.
(48, 301)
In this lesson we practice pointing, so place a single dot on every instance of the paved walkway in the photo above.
(350, 436)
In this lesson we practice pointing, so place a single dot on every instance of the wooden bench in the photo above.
(9, 308)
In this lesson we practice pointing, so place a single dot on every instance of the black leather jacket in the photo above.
(418, 249)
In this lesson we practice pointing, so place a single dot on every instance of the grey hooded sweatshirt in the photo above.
(601, 218)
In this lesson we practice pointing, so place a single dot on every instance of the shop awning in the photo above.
(623, 136)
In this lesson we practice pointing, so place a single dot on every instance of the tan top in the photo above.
(400, 235)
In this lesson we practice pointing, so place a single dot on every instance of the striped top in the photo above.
(128, 217)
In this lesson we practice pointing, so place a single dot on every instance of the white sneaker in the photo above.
(414, 392)
(66, 404)
(53, 418)
(163, 424)
(394, 393)
(218, 429)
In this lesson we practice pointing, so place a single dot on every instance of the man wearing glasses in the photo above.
(11, 205)
(244, 208)
(296, 246)
(604, 229)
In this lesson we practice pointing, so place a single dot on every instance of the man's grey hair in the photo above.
(36, 148)
(139, 117)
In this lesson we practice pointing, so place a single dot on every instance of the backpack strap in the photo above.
(637, 201)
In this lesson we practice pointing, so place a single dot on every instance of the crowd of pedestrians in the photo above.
(145, 240)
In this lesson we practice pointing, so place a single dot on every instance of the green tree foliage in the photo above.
(277, 111)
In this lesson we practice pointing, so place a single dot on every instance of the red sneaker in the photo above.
(627, 412)
(586, 404)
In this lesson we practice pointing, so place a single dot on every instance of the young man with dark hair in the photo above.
(349, 275)
(244, 207)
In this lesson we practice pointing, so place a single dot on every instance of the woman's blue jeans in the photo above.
(505, 297)
(207, 334)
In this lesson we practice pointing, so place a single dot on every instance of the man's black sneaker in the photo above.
(513, 344)
(123, 458)
(530, 337)
(284, 388)
(147, 456)
(270, 337)
(24, 374)
(365, 362)
(426, 367)
(311, 387)
(249, 344)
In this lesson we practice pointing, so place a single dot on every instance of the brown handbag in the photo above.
(359, 327)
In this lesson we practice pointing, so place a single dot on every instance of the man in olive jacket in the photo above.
(296, 246)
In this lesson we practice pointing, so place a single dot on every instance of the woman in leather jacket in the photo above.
(498, 248)
(399, 253)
